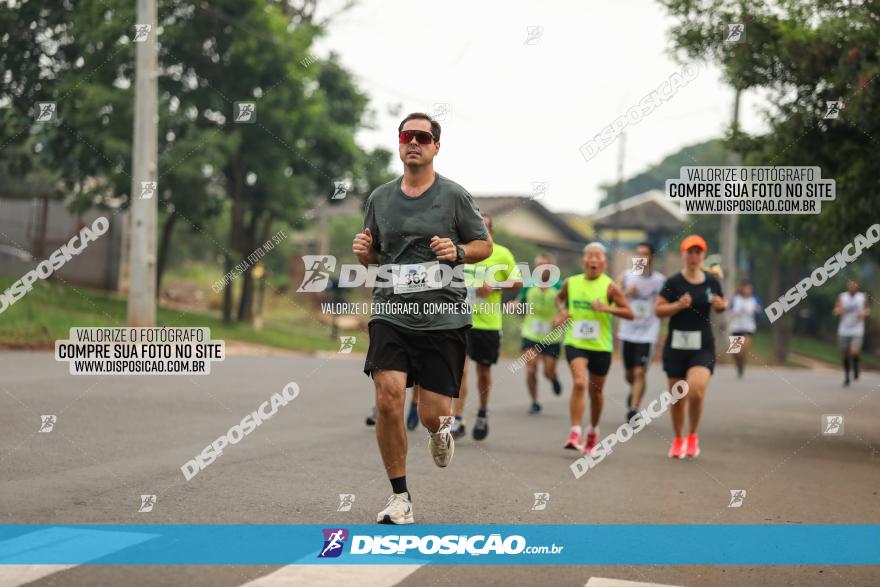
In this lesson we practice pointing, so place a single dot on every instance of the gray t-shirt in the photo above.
(402, 228)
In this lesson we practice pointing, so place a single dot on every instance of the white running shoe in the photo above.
(441, 445)
(398, 510)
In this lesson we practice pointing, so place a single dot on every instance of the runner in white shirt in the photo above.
(743, 309)
(852, 307)
(640, 285)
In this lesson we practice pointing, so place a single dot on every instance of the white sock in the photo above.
(577, 429)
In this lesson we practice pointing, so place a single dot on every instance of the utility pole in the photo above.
(727, 235)
(618, 196)
(143, 210)
(729, 221)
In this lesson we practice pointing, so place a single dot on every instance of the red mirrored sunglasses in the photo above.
(422, 137)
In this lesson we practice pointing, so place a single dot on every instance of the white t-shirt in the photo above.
(742, 312)
(850, 323)
(645, 327)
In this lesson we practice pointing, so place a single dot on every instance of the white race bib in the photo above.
(541, 327)
(641, 309)
(585, 329)
(416, 277)
(687, 340)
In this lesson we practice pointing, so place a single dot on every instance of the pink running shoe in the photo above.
(573, 442)
(592, 438)
(676, 451)
(693, 446)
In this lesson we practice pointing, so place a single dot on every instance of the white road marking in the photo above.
(88, 544)
(601, 582)
(15, 575)
(336, 575)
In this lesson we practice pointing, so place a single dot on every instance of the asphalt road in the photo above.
(117, 438)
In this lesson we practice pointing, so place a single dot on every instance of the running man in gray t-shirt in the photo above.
(416, 223)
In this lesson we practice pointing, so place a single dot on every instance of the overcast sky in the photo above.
(518, 113)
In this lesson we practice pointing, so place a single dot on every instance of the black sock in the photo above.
(855, 364)
(846, 367)
(398, 485)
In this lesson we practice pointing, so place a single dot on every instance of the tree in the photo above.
(802, 54)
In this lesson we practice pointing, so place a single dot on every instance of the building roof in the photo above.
(650, 211)
(498, 205)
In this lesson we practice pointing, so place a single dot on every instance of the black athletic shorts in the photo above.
(677, 362)
(742, 333)
(551, 349)
(637, 354)
(598, 362)
(483, 346)
(433, 359)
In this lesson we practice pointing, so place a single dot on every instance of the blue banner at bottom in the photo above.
(527, 544)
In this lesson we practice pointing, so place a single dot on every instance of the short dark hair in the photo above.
(648, 245)
(435, 126)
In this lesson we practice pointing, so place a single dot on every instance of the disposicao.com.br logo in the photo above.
(432, 544)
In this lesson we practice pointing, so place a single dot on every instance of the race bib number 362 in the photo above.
(416, 277)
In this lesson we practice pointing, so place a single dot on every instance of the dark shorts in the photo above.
(677, 362)
(598, 362)
(483, 346)
(433, 359)
(636, 354)
(741, 333)
(551, 350)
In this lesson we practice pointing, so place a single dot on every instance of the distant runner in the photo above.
(689, 353)
(538, 333)
(639, 336)
(484, 338)
(744, 309)
(589, 300)
(852, 307)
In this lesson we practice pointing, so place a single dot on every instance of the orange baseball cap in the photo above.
(693, 240)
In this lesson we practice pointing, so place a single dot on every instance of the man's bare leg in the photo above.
(390, 431)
